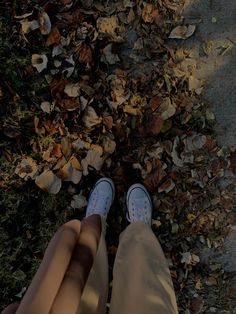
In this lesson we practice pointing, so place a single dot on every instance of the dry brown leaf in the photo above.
(155, 177)
(155, 102)
(109, 26)
(66, 147)
(48, 182)
(108, 145)
(29, 26)
(57, 88)
(72, 90)
(73, 19)
(94, 159)
(83, 53)
(44, 23)
(27, 168)
(71, 171)
(54, 37)
(108, 121)
(40, 62)
(155, 125)
(195, 85)
(57, 150)
(182, 32)
(90, 117)
(109, 56)
(197, 305)
(70, 104)
(149, 13)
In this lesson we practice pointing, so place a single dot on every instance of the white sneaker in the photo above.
(139, 204)
(101, 198)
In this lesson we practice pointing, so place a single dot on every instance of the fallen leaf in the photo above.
(28, 27)
(108, 121)
(27, 168)
(108, 145)
(166, 186)
(78, 201)
(48, 182)
(109, 26)
(189, 258)
(195, 85)
(72, 89)
(155, 125)
(94, 159)
(166, 109)
(54, 37)
(46, 106)
(109, 56)
(74, 19)
(182, 32)
(71, 171)
(70, 104)
(90, 117)
(155, 177)
(66, 147)
(149, 13)
(57, 150)
(83, 53)
(197, 305)
(44, 23)
(39, 62)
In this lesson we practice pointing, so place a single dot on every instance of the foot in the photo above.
(139, 204)
(101, 198)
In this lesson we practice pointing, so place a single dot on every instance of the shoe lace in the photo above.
(138, 211)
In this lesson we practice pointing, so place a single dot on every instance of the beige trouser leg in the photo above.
(141, 279)
(94, 296)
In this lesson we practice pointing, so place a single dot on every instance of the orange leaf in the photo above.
(84, 53)
(155, 102)
(57, 150)
(155, 125)
(57, 88)
(69, 104)
(155, 177)
(54, 37)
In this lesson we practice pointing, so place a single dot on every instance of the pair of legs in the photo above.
(73, 276)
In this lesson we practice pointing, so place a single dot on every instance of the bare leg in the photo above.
(64, 269)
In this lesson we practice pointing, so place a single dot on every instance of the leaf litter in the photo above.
(107, 95)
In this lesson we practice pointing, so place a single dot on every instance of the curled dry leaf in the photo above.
(54, 37)
(29, 26)
(108, 122)
(166, 109)
(48, 182)
(46, 106)
(155, 177)
(195, 85)
(71, 171)
(155, 125)
(78, 201)
(109, 56)
(44, 23)
(70, 104)
(74, 19)
(149, 13)
(167, 186)
(72, 90)
(94, 159)
(27, 168)
(109, 145)
(39, 62)
(109, 26)
(182, 32)
(83, 53)
(90, 117)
